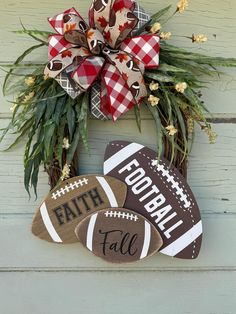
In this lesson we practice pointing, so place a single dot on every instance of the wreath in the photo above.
(120, 60)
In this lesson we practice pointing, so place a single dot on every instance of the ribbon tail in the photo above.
(105, 106)
(131, 70)
(95, 102)
(87, 72)
(119, 97)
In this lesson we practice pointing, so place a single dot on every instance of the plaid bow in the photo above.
(81, 55)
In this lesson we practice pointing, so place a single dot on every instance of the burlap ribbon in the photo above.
(104, 53)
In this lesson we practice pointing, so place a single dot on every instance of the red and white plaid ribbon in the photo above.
(103, 51)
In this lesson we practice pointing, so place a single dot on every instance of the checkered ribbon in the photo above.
(95, 103)
(142, 16)
(102, 56)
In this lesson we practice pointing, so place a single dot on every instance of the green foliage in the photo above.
(138, 117)
(40, 36)
(46, 120)
(17, 64)
(44, 114)
(175, 108)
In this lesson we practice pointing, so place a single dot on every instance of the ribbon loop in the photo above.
(131, 71)
(64, 59)
(120, 4)
(88, 71)
(120, 26)
(69, 18)
(56, 44)
(99, 14)
(119, 96)
(145, 48)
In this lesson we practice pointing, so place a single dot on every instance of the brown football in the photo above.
(76, 198)
(119, 235)
(160, 193)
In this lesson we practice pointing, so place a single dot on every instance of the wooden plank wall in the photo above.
(42, 278)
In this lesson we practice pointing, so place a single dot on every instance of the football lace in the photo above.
(123, 215)
(174, 185)
(69, 187)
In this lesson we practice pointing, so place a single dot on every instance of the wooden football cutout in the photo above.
(66, 205)
(159, 193)
(119, 235)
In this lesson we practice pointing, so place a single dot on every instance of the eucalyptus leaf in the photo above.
(154, 18)
(5, 131)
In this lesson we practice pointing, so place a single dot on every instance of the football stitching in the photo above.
(180, 190)
(188, 209)
(174, 185)
(183, 189)
(118, 145)
(191, 200)
(123, 215)
(68, 188)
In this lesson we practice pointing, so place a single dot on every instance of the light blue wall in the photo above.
(42, 278)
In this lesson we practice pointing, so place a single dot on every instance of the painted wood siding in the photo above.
(42, 278)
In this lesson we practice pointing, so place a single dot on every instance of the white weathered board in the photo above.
(67, 279)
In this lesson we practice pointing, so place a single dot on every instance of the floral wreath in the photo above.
(119, 60)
